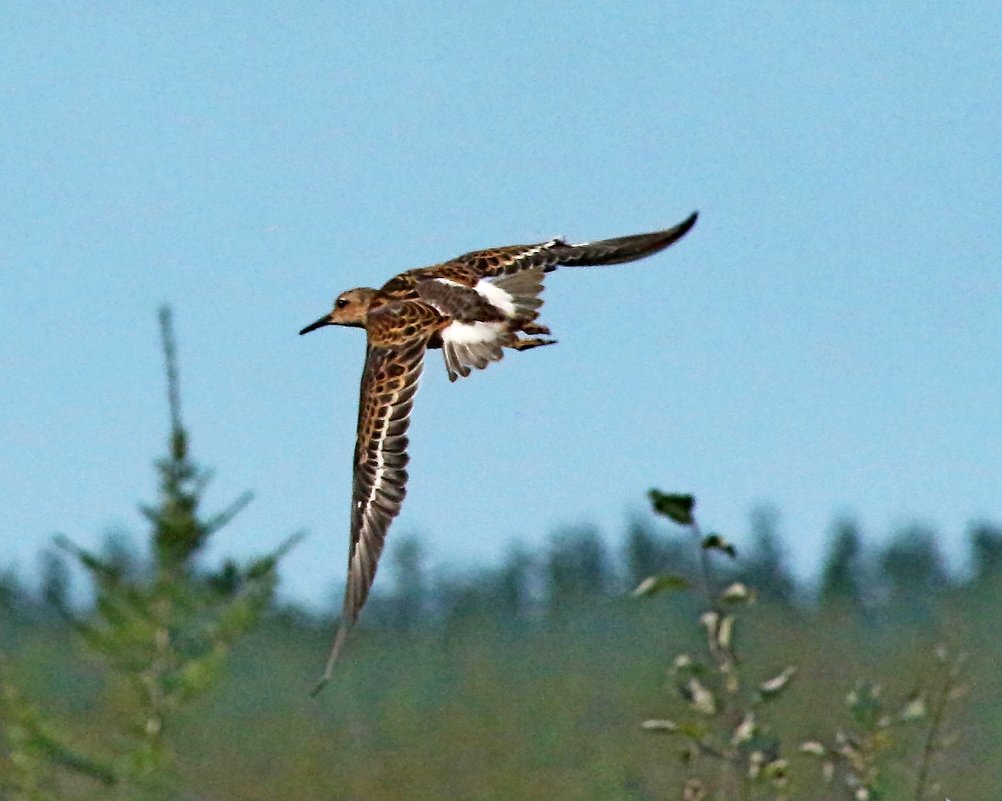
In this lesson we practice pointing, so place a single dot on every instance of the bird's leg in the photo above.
(535, 328)
(531, 342)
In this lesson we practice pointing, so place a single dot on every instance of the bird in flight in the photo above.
(472, 308)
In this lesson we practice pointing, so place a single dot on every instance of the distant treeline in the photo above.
(577, 566)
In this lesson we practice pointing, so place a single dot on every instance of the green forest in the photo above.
(669, 665)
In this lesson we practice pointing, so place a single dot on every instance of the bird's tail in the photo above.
(522, 289)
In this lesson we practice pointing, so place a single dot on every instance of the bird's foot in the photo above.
(535, 328)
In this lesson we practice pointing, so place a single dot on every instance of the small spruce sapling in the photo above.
(161, 632)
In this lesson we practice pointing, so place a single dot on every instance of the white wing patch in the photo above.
(380, 472)
(489, 291)
(496, 296)
(472, 333)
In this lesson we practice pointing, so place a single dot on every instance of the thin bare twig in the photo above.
(946, 689)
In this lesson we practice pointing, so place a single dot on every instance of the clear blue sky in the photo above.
(827, 339)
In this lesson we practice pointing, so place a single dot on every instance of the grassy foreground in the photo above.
(547, 710)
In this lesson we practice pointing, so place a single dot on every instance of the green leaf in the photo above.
(914, 708)
(865, 705)
(771, 688)
(813, 748)
(700, 698)
(692, 729)
(737, 593)
(683, 668)
(745, 730)
(776, 770)
(717, 543)
(676, 507)
(660, 726)
(655, 584)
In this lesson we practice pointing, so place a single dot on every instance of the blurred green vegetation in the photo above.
(543, 704)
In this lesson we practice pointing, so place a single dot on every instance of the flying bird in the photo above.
(472, 308)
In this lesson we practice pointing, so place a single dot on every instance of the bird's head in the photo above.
(349, 309)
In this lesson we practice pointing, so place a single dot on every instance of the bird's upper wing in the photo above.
(469, 268)
(398, 335)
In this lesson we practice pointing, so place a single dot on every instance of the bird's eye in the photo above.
(341, 303)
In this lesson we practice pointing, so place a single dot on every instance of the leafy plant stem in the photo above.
(935, 724)
(706, 568)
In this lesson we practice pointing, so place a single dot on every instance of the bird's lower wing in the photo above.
(389, 382)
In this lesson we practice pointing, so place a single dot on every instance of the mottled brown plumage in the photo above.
(472, 307)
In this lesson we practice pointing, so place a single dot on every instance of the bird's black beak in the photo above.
(325, 320)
